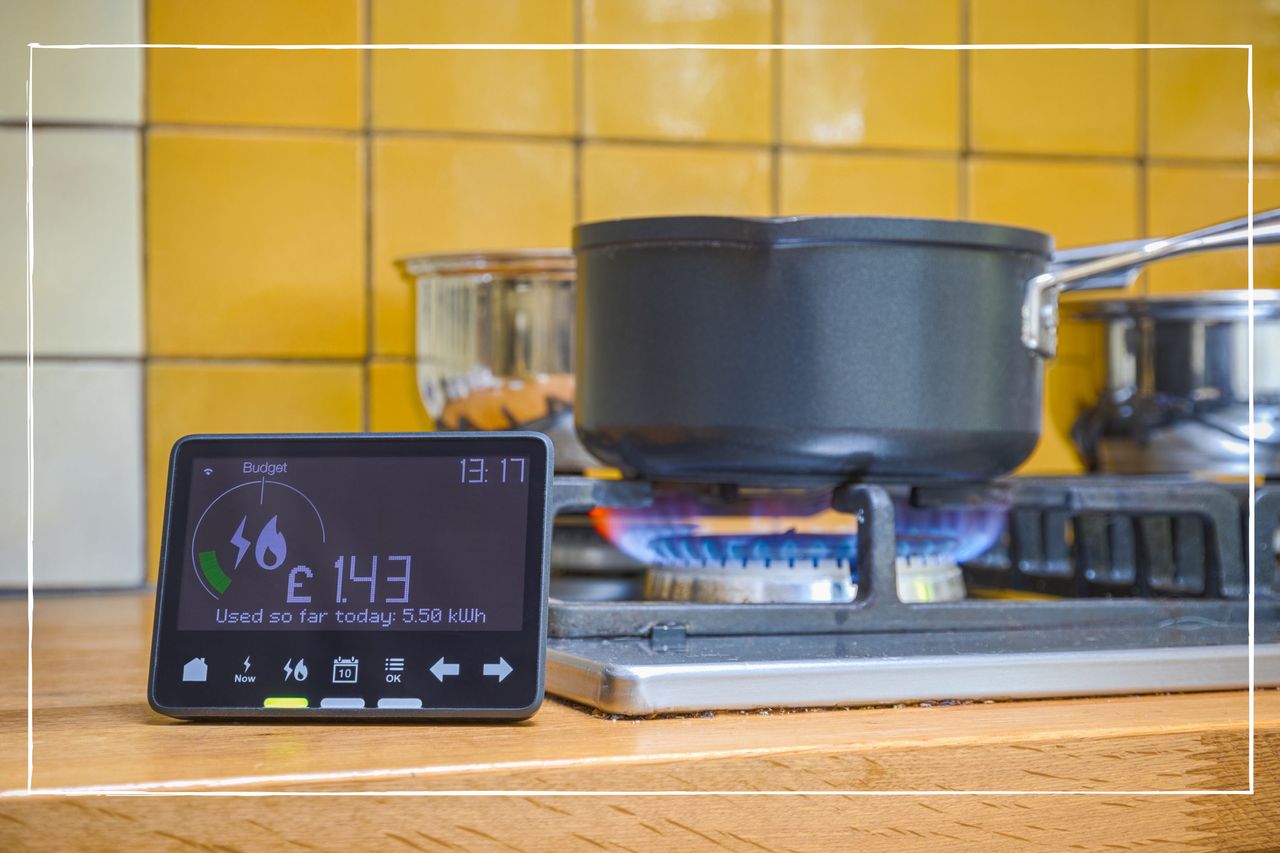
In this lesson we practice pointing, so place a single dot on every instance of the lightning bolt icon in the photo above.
(288, 669)
(246, 663)
(242, 544)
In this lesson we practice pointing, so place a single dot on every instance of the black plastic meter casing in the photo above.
(470, 683)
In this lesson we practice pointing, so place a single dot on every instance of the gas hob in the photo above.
(1095, 585)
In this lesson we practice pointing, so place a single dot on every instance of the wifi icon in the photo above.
(208, 472)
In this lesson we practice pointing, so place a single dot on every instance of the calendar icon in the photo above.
(346, 670)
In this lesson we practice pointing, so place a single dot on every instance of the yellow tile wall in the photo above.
(875, 99)
(693, 95)
(273, 88)
(280, 186)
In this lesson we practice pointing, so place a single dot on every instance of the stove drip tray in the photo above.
(1093, 585)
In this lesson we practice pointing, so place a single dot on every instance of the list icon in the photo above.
(395, 670)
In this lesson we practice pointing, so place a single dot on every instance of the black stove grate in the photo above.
(1085, 537)
(1116, 551)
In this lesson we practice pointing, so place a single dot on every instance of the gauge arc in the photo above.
(262, 483)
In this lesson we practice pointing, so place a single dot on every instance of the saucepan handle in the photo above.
(1116, 265)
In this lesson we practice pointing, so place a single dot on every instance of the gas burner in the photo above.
(921, 580)
(752, 584)
(774, 547)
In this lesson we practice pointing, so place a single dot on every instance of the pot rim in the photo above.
(500, 263)
(808, 231)
(1206, 305)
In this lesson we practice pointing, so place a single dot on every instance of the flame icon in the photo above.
(270, 542)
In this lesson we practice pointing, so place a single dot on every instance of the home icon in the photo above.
(195, 670)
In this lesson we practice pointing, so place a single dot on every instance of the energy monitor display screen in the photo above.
(354, 544)
(367, 564)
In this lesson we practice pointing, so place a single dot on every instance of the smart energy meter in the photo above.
(353, 576)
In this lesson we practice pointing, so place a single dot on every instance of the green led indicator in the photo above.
(285, 702)
(213, 573)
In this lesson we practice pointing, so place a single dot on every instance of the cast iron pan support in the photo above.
(1224, 570)
(1266, 514)
(877, 545)
(1037, 505)
(580, 494)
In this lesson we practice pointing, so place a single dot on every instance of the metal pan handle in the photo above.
(1116, 265)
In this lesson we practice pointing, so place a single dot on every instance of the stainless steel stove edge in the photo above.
(591, 677)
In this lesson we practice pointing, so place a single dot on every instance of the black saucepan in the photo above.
(808, 351)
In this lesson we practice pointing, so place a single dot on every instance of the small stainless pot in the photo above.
(1176, 397)
(495, 343)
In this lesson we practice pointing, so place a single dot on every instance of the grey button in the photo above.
(342, 702)
(399, 702)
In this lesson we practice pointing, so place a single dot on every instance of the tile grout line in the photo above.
(966, 124)
(703, 144)
(1144, 133)
(578, 80)
(144, 274)
(370, 319)
(74, 358)
(213, 360)
(68, 124)
(775, 109)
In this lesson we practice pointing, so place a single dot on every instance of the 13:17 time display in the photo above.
(476, 470)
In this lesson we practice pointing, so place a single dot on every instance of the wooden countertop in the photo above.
(100, 747)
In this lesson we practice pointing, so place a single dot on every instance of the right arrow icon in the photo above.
(501, 669)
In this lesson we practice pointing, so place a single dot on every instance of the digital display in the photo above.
(340, 544)
(354, 576)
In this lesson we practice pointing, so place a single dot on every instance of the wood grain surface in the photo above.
(95, 735)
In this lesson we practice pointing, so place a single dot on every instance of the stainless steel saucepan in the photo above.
(1176, 397)
(495, 343)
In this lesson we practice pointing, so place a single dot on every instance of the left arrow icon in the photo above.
(440, 669)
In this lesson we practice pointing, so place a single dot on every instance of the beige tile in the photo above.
(291, 88)
(641, 180)
(876, 99)
(828, 183)
(13, 486)
(88, 280)
(440, 195)
(72, 85)
(255, 245)
(88, 481)
(186, 398)
(683, 94)
(13, 240)
(1197, 107)
(495, 91)
(1183, 198)
(1055, 101)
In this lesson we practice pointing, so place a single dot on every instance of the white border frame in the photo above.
(161, 788)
